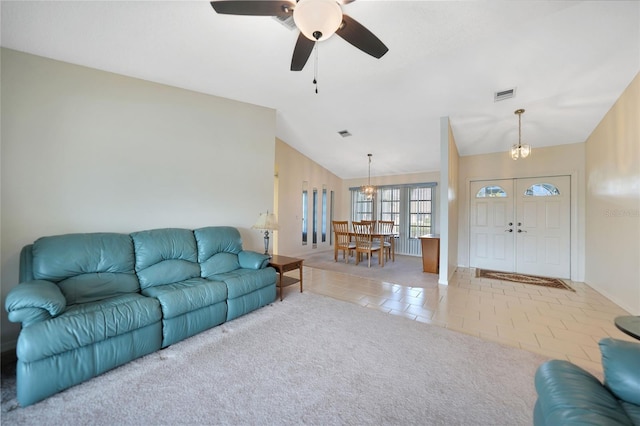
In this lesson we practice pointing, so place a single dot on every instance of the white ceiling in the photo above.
(568, 60)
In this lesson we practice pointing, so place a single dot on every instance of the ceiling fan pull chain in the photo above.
(315, 69)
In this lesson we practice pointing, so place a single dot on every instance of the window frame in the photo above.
(420, 215)
(375, 206)
(546, 190)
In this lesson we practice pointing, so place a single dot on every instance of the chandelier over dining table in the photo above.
(368, 190)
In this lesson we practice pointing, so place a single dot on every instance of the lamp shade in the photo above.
(317, 19)
(266, 221)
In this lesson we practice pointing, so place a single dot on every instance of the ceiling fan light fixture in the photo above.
(317, 19)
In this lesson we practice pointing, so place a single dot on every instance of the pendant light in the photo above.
(520, 150)
(368, 190)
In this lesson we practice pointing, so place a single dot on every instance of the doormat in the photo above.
(523, 279)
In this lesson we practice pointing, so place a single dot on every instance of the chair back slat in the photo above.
(364, 242)
(343, 239)
(340, 226)
(386, 226)
(363, 235)
(373, 224)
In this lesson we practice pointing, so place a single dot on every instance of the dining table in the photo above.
(380, 236)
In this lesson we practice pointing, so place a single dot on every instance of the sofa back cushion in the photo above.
(86, 267)
(218, 248)
(165, 256)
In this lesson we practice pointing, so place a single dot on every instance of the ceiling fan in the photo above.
(317, 20)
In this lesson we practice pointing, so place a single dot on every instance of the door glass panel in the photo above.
(542, 190)
(324, 213)
(305, 207)
(314, 237)
(491, 191)
(332, 198)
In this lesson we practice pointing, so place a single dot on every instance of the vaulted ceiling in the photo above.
(568, 62)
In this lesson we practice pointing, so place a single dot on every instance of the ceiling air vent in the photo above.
(504, 94)
(344, 133)
(287, 21)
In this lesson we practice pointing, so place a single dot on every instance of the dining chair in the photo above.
(373, 224)
(343, 240)
(386, 227)
(365, 243)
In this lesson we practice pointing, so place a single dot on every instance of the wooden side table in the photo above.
(284, 264)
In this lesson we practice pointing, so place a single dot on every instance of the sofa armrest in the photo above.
(253, 260)
(34, 301)
(569, 395)
(621, 365)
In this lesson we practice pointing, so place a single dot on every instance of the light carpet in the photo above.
(406, 270)
(308, 359)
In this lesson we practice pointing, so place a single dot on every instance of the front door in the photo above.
(543, 228)
(521, 225)
(491, 225)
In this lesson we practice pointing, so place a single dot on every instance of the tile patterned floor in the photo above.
(553, 322)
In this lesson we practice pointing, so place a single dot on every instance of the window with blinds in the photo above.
(420, 212)
(361, 207)
(390, 206)
(411, 207)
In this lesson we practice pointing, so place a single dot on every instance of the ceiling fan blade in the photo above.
(254, 7)
(356, 34)
(301, 52)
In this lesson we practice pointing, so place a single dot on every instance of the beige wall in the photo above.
(613, 202)
(86, 151)
(292, 169)
(552, 161)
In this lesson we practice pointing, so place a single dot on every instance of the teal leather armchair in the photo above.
(569, 395)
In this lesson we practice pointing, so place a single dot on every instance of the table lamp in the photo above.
(267, 222)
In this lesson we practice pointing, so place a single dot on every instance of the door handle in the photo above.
(508, 230)
(520, 230)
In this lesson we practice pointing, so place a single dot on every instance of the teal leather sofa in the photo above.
(569, 395)
(91, 302)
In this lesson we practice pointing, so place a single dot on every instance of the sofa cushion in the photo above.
(621, 365)
(165, 256)
(217, 239)
(219, 263)
(86, 267)
(186, 296)
(92, 287)
(632, 410)
(85, 324)
(245, 281)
